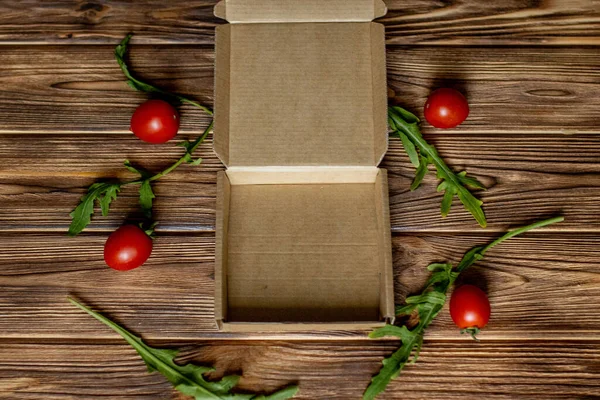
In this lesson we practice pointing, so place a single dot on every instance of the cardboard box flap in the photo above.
(300, 94)
(260, 11)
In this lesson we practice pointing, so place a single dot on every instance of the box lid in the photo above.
(293, 93)
(270, 11)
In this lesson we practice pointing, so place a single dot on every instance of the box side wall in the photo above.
(221, 247)
(385, 246)
(222, 92)
(299, 327)
(378, 69)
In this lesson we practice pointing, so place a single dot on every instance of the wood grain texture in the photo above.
(514, 22)
(323, 370)
(528, 177)
(72, 89)
(44, 177)
(64, 117)
(536, 285)
(516, 90)
(510, 22)
(80, 89)
(101, 21)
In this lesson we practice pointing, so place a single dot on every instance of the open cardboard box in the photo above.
(303, 232)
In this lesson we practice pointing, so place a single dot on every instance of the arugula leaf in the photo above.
(188, 379)
(146, 197)
(81, 216)
(428, 305)
(120, 53)
(447, 201)
(405, 124)
(420, 174)
(468, 181)
(110, 195)
(187, 157)
(143, 173)
(410, 149)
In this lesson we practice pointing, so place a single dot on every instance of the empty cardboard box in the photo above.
(303, 231)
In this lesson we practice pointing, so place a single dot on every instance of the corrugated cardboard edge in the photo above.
(222, 92)
(379, 10)
(298, 326)
(387, 306)
(221, 10)
(378, 68)
(222, 218)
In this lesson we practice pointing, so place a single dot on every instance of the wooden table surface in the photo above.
(531, 70)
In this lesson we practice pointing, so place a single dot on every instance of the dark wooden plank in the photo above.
(91, 22)
(172, 296)
(528, 176)
(72, 89)
(323, 370)
(510, 90)
(510, 22)
(513, 22)
(43, 178)
(451, 370)
(536, 285)
(80, 89)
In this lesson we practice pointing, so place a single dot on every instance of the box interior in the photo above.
(302, 251)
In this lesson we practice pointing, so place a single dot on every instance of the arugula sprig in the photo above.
(121, 52)
(188, 379)
(422, 154)
(426, 306)
(104, 193)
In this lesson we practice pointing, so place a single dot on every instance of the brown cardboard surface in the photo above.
(303, 94)
(303, 252)
(300, 175)
(221, 247)
(257, 11)
(222, 93)
(382, 211)
(303, 235)
(296, 251)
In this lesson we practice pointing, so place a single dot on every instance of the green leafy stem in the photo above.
(422, 154)
(188, 379)
(121, 52)
(426, 306)
(104, 193)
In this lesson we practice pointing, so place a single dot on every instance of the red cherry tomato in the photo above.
(127, 248)
(470, 308)
(155, 121)
(446, 108)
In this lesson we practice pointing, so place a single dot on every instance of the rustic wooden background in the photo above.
(531, 70)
